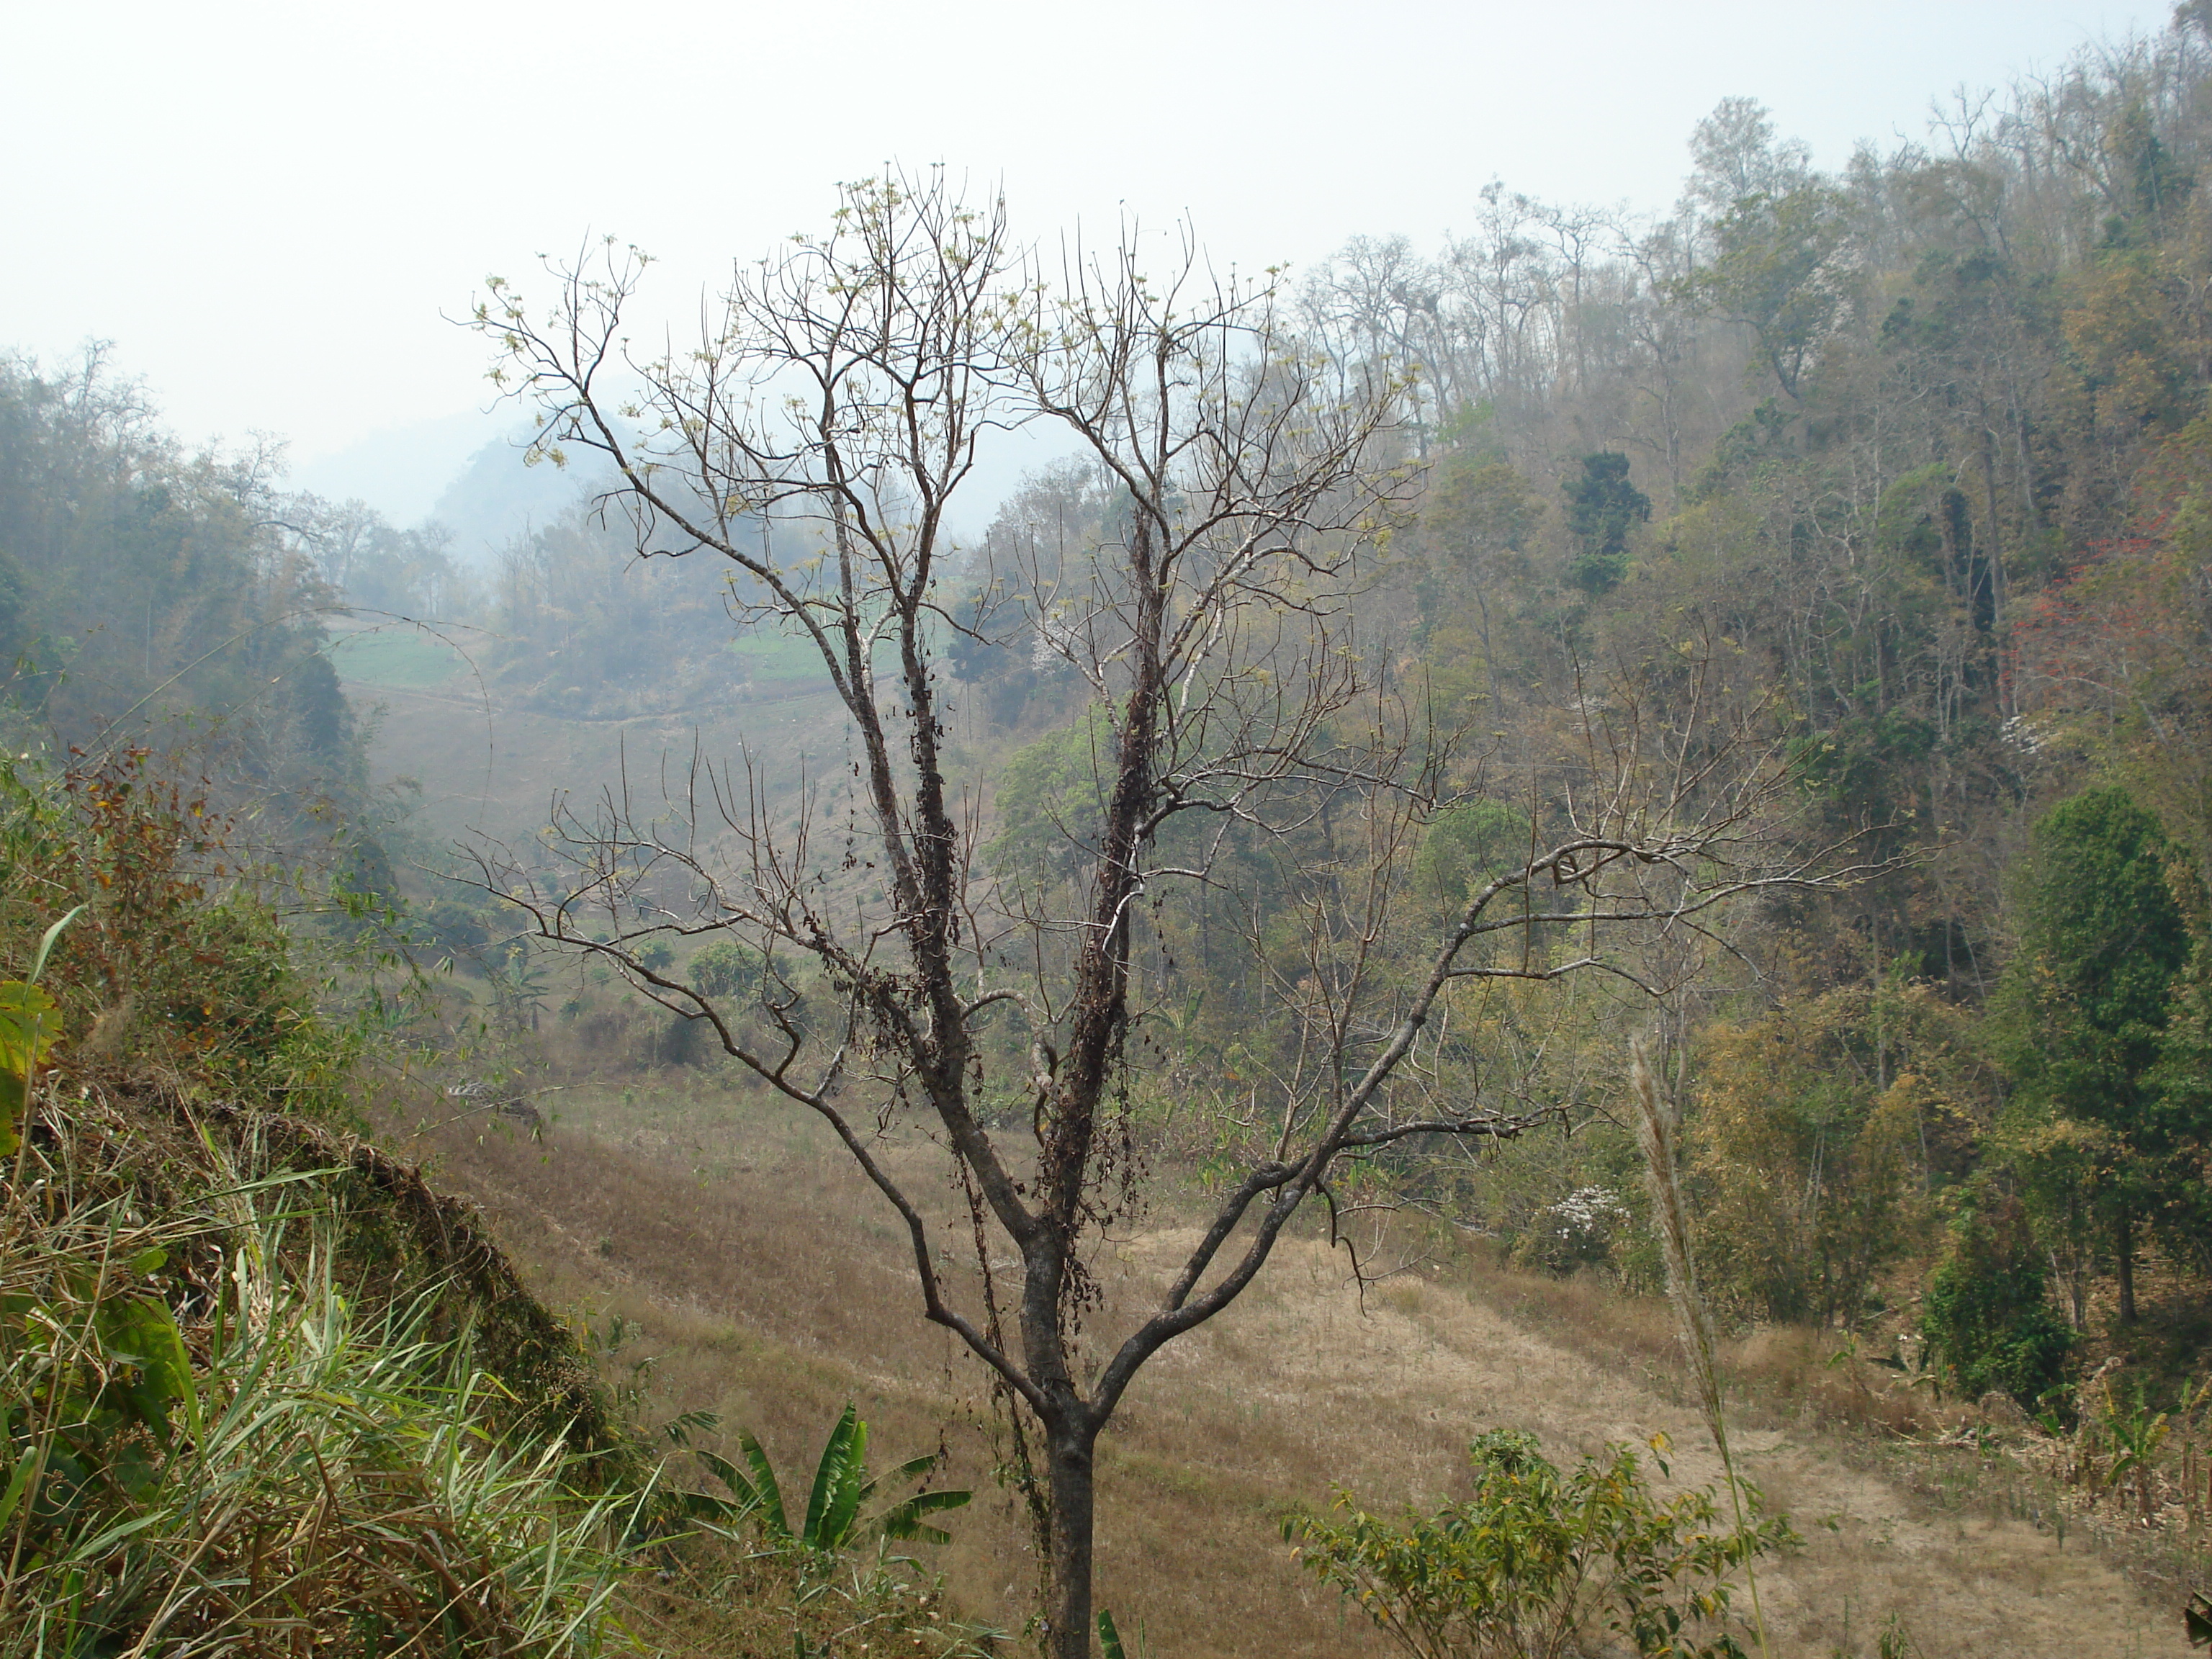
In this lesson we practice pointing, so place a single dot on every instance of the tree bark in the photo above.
(1070, 1450)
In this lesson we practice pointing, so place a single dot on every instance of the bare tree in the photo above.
(842, 385)
(1378, 304)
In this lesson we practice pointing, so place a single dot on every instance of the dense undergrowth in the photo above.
(263, 1392)
(220, 1437)
(260, 1389)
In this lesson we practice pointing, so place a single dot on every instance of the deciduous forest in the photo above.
(1521, 963)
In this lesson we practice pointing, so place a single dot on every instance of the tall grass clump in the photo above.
(1658, 1134)
(206, 1445)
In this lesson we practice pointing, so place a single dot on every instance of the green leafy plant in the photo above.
(2120, 1443)
(843, 1487)
(30, 1026)
(1536, 1563)
(1986, 1318)
(95, 1361)
(1109, 1639)
(102, 1373)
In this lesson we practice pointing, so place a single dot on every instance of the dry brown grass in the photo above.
(719, 1599)
(762, 1276)
(482, 762)
(1776, 1374)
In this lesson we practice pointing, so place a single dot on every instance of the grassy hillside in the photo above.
(753, 1274)
(263, 1386)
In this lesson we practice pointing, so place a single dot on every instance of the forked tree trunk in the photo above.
(1070, 1451)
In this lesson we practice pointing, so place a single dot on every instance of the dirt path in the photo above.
(1425, 1365)
(770, 1291)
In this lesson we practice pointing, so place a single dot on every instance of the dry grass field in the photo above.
(495, 768)
(484, 763)
(762, 1280)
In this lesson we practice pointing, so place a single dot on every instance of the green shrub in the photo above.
(1466, 846)
(458, 927)
(1986, 1318)
(1535, 1564)
(176, 968)
(727, 968)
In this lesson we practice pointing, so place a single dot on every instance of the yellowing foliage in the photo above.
(1812, 1137)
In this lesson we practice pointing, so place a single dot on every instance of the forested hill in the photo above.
(1923, 449)
(1928, 437)
(1927, 442)
(155, 598)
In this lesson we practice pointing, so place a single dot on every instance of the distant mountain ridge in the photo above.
(462, 472)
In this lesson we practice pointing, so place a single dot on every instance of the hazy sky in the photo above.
(267, 208)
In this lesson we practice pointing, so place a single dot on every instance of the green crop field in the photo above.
(775, 664)
(405, 658)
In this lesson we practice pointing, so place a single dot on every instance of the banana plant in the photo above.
(2137, 1435)
(1110, 1638)
(842, 1488)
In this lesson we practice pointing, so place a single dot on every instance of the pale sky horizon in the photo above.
(270, 209)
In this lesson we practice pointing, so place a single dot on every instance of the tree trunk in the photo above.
(1070, 1450)
(2123, 1243)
